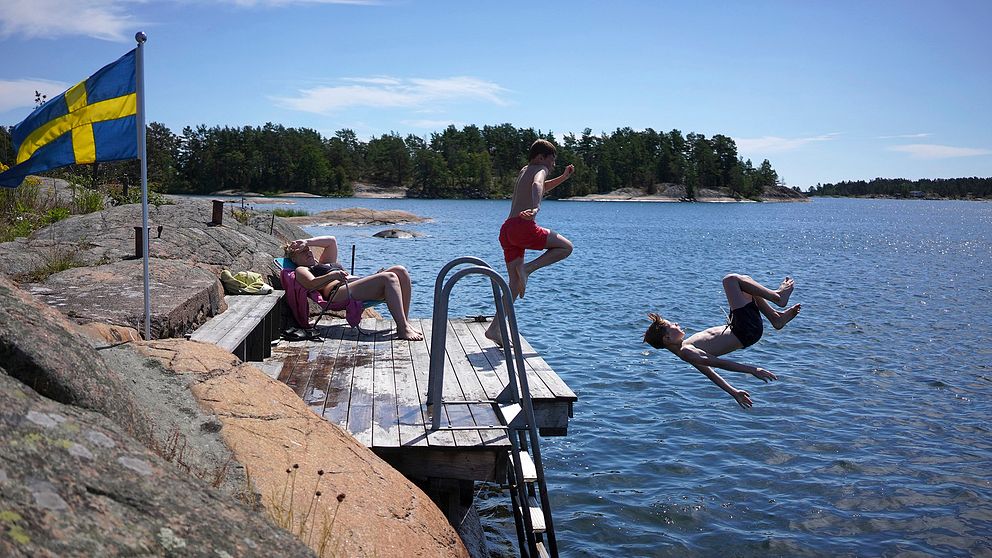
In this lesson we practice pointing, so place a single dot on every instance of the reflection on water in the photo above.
(875, 440)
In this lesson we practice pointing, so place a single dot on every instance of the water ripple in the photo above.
(874, 442)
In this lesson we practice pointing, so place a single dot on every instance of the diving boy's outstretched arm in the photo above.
(698, 357)
(742, 397)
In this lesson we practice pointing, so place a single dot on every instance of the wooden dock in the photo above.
(374, 386)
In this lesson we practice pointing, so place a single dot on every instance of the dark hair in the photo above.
(542, 147)
(656, 331)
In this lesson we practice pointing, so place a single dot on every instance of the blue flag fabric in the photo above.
(93, 121)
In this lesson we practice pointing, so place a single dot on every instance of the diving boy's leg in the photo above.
(556, 248)
(776, 318)
(740, 288)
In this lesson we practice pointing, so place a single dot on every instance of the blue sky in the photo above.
(827, 91)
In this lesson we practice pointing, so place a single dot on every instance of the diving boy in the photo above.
(748, 301)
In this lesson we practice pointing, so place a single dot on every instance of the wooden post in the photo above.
(218, 216)
(139, 243)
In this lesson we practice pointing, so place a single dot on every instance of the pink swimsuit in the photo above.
(518, 234)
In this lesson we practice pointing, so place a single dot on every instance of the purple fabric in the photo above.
(297, 297)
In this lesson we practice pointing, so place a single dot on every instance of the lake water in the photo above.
(876, 439)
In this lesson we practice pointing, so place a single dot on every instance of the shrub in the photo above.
(85, 200)
(59, 257)
(56, 214)
(282, 212)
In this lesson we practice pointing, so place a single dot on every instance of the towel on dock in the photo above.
(244, 282)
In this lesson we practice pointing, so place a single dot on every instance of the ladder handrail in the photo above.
(439, 332)
(438, 326)
(517, 379)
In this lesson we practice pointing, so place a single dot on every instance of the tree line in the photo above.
(470, 162)
(958, 188)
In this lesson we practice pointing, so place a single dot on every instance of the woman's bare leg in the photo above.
(406, 286)
(383, 285)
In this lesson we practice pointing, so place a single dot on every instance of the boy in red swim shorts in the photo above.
(521, 232)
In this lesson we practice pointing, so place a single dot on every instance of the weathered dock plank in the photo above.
(375, 387)
(457, 415)
(421, 367)
(385, 420)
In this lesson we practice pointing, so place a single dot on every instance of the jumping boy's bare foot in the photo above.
(786, 316)
(522, 282)
(785, 291)
(492, 334)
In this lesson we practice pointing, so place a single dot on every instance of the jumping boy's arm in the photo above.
(537, 187)
(552, 183)
(698, 357)
(742, 397)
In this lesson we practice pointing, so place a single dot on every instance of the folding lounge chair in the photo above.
(298, 297)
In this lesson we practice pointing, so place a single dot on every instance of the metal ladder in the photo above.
(528, 490)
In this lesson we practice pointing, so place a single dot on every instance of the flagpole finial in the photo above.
(140, 36)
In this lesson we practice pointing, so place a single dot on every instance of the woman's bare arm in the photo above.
(305, 278)
(329, 245)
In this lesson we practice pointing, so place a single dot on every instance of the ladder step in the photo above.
(528, 469)
(536, 515)
(512, 414)
(541, 551)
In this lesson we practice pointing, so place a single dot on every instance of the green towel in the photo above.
(244, 282)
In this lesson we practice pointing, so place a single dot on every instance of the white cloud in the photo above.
(906, 136)
(19, 93)
(932, 151)
(432, 124)
(388, 92)
(775, 144)
(110, 20)
(100, 19)
(281, 3)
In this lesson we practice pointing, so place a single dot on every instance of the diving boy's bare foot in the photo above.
(785, 291)
(410, 334)
(786, 316)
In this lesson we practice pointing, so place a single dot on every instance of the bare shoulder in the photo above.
(690, 353)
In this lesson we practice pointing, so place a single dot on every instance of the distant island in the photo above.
(466, 163)
(469, 163)
(939, 188)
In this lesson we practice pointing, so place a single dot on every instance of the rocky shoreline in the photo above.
(677, 193)
(663, 193)
(112, 445)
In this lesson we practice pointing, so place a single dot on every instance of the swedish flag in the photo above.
(93, 121)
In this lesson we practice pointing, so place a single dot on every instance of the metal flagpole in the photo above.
(140, 37)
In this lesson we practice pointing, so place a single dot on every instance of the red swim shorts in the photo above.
(518, 234)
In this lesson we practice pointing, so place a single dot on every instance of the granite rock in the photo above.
(72, 483)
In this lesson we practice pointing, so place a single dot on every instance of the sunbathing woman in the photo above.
(748, 300)
(327, 275)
